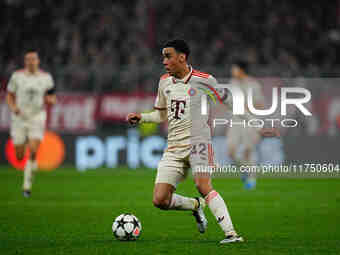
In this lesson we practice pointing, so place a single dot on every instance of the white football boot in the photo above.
(199, 215)
(232, 237)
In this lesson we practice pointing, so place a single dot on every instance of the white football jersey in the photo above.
(30, 90)
(182, 99)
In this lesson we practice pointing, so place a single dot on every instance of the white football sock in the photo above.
(220, 211)
(28, 176)
(179, 202)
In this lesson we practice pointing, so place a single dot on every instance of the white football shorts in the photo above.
(23, 129)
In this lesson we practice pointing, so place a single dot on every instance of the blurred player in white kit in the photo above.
(27, 92)
(238, 135)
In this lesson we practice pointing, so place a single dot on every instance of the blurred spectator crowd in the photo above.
(115, 45)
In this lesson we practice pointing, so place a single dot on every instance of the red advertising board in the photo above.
(116, 106)
(75, 113)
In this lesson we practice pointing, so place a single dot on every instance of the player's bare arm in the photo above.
(51, 99)
(10, 98)
(50, 96)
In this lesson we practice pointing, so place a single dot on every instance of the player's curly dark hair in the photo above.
(179, 45)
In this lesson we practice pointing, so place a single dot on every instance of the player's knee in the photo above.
(161, 202)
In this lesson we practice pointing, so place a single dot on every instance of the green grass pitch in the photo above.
(72, 213)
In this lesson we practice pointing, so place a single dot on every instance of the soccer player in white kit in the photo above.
(189, 140)
(239, 135)
(27, 92)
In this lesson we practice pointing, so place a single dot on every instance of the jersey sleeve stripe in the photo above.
(200, 74)
(196, 75)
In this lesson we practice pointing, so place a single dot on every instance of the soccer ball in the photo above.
(126, 227)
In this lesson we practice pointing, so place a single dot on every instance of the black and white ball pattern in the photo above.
(126, 227)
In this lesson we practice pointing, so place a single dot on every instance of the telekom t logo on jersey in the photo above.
(177, 106)
(239, 100)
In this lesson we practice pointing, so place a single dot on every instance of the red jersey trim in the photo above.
(188, 78)
(164, 76)
(200, 74)
(159, 109)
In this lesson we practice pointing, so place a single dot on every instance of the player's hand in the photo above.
(133, 118)
(269, 132)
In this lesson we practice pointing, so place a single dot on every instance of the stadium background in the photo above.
(105, 59)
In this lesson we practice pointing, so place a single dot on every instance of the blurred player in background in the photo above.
(27, 92)
(241, 138)
(189, 140)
